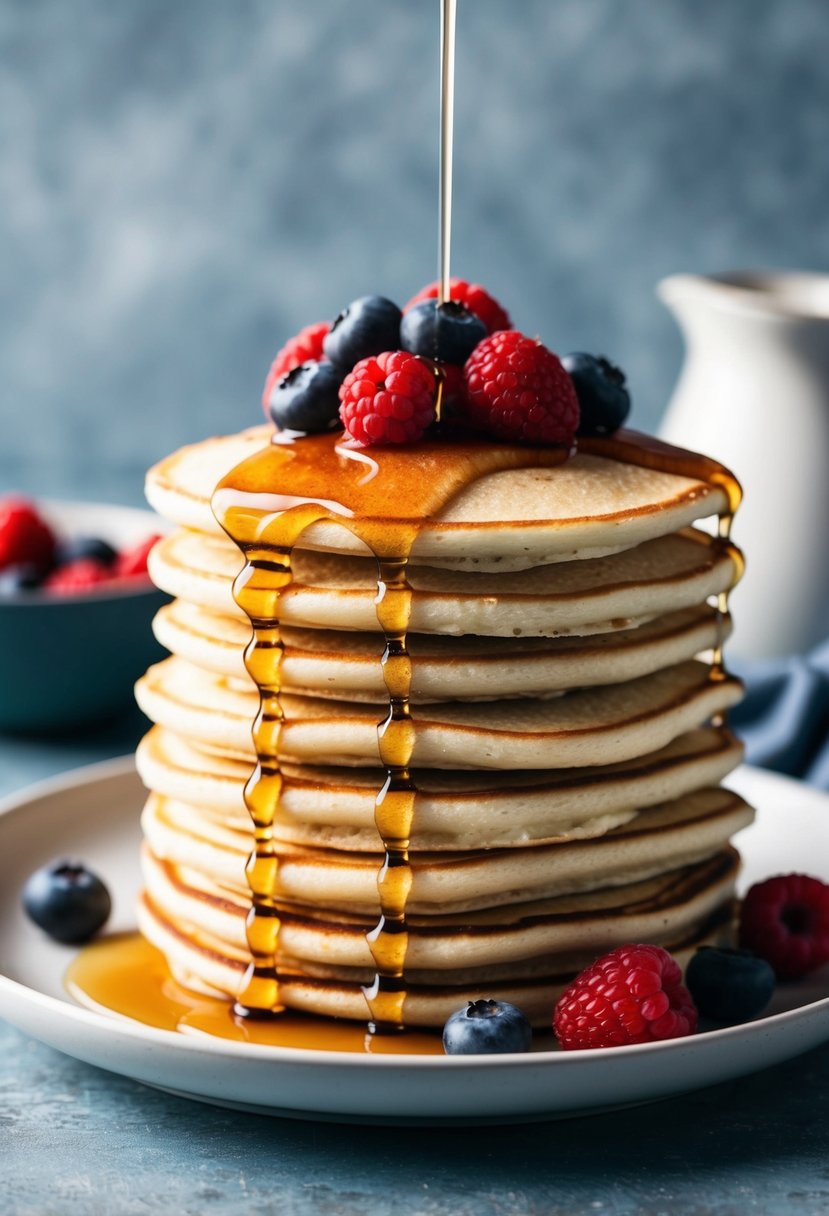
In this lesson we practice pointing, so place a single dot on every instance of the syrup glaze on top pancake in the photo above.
(613, 494)
(440, 500)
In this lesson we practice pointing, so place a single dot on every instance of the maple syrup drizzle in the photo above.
(267, 573)
(265, 505)
(447, 123)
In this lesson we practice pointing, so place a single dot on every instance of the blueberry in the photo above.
(24, 577)
(485, 1028)
(368, 326)
(602, 392)
(448, 332)
(307, 398)
(729, 985)
(67, 901)
(82, 548)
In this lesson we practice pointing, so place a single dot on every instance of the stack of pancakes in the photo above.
(568, 740)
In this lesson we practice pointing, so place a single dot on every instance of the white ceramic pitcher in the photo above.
(754, 394)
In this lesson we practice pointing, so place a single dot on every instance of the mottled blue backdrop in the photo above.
(185, 184)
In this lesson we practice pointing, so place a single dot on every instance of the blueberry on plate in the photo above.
(602, 392)
(729, 985)
(447, 332)
(85, 548)
(367, 327)
(486, 1027)
(307, 398)
(24, 577)
(67, 901)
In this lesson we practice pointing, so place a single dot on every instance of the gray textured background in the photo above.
(185, 184)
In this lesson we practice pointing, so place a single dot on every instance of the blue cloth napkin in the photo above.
(784, 719)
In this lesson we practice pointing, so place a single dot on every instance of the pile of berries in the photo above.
(636, 994)
(33, 557)
(387, 375)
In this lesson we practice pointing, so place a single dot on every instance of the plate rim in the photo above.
(122, 767)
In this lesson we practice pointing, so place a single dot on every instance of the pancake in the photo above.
(511, 519)
(453, 810)
(576, 597)
(504, 937)
(665, 837)
(330, 663)
(202, 939)
(594, 726)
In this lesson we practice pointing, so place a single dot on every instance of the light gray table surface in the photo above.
(75, 1139)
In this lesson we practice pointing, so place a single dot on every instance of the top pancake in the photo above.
(511, 519)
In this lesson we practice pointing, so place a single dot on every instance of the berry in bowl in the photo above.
(76, 606)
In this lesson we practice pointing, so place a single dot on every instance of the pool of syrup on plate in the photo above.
(125, 975)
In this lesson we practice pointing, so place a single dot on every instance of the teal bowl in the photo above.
(68, 662)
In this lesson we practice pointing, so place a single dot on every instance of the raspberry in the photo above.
(305, 347)
(25, 539)
(133, 562)
(476, 299)
(785, 920)
(388, 398)
(517, 389)
(632, 995)
(82, 575)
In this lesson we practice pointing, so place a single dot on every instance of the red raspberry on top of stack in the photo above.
(517, 390)
(388, 398)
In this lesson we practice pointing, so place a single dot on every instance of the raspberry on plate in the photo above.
(388, 398)
(304, 347)
(476, 298)
(25, 538)
(634, 994)
(786, 921)
(517, 390)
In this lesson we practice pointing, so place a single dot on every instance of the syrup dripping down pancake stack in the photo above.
(487, 748)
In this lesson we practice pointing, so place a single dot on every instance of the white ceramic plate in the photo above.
(93, 814)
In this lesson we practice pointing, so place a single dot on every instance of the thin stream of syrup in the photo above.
(447, 125)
